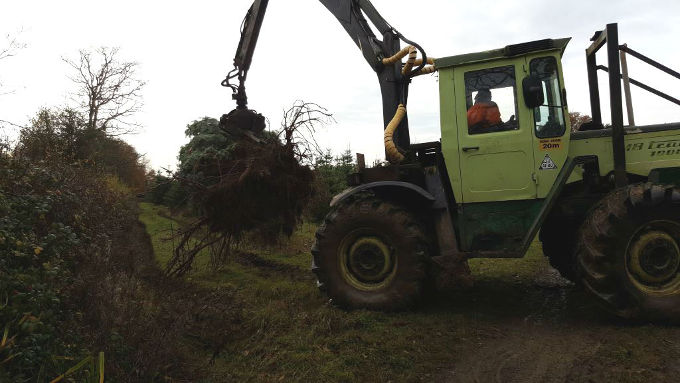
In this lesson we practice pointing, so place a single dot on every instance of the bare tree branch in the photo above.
(10, 49)
(298, 129)
(12, 46)
(12, 124)
(108, 90)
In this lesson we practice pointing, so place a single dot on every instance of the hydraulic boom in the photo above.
(382, 54)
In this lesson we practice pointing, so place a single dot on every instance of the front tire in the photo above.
(371, 254)
(629, 252)
(558, 239)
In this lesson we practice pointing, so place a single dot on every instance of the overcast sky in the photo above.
(185, 48)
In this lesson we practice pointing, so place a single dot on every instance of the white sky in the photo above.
(185, 49)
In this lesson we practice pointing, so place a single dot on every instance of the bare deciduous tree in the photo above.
(109, 91)
(298, 129)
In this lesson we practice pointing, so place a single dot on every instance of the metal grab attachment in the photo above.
(250, 31)
(356, 17)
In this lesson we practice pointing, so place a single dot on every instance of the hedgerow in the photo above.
(52, 218)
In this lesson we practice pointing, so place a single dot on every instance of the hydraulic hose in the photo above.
(394, 156)
(397, 57)
(411, 62)
(412, 55)
(393, 153)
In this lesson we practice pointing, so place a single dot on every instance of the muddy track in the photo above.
(549, 332)
(268, 266)
(525, 353)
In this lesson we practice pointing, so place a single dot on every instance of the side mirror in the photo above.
(533, 91)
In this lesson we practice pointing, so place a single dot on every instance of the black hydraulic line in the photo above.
(646, 87)
(419, 48)
(649, 61)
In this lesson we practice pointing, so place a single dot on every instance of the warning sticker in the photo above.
(550, 144)
(547, 163)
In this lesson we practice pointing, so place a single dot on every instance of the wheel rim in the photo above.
(653, 260)
(366, 261)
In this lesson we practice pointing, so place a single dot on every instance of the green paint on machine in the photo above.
(496, 226)
(667, 176)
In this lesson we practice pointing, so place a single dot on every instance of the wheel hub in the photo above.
(655, 258)
(367, 262)
(369, 259)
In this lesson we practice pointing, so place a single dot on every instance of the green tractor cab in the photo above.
(604, 201)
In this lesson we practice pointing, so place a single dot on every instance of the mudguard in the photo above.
(400, 187)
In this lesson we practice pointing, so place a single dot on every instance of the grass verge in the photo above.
(293, 334)
(511, 318)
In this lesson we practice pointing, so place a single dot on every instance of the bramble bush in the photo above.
(77, 273)
(48, 215)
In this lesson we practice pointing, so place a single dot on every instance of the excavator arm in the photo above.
(382, 54)
(250, 32)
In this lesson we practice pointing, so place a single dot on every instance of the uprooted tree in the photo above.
(241, 179)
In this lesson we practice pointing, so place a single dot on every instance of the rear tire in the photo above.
(371, 254)
(629, 252)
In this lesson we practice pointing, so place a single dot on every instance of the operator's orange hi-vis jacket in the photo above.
(484, 114)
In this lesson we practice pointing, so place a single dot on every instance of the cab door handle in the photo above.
(470, 148)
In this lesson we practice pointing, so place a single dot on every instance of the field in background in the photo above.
(519, 323)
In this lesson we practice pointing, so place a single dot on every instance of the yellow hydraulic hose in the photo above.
(397, 57)
(411, 62)
(430, 61)
(412, 55)
(393, 154)
(426, 70)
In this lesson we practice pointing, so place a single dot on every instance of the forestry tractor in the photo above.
(604, 200)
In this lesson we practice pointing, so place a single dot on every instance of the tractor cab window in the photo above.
(549, 117)
(491, 100)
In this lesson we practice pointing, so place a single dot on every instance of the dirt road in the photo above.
(548, 331)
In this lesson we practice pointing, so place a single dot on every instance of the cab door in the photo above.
(496, 158)
(551, 119)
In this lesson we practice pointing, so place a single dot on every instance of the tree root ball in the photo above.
(241, 178)
(265, 190)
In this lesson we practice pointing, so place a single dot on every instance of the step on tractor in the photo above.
(604, 200)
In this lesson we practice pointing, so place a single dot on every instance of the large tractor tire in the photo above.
(558, 238)
(629, 252)
(371, 254)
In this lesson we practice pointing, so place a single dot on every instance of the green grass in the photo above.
(291, 333)
(159, 227)
(160, 224)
